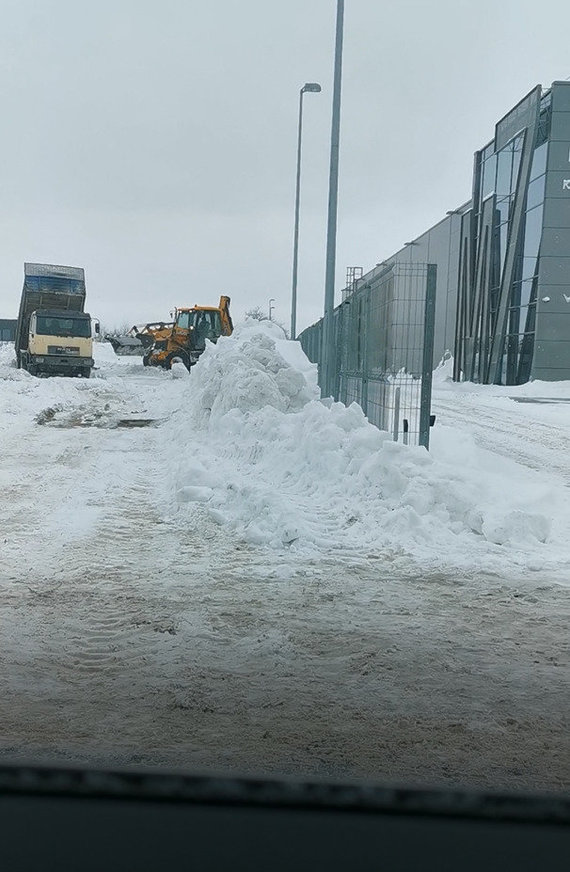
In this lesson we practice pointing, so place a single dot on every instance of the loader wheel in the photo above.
(177, 355)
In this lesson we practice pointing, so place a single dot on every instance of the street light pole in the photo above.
(315, 88)
(328, 353)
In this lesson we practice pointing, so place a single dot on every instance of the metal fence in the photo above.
(383, 349)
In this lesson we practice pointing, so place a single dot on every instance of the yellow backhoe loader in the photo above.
(185, 338)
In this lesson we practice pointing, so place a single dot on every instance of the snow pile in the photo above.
(178, 370)
(8, 369)
(443, 373)
(246, 439)
(443, 381)
(281, 467)
(249, 371)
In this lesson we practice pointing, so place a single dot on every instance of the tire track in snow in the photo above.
(109, 629)
(538, 446)
(81, 599)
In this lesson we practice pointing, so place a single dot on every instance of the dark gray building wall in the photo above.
(439, 245)
(551, 359)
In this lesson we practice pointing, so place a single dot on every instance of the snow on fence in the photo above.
(384, 345)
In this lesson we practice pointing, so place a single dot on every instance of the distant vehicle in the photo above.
(185, 338)
(54, 334)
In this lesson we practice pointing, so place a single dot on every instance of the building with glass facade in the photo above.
(513, 312)
(503, 258)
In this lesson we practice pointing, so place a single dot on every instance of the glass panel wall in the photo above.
(497, 177)
(538, 162)
(522, 317)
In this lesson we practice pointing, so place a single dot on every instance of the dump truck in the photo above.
(54, 334)
(185, 338)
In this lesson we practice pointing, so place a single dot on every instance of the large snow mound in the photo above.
(272, 462)
(248, 372)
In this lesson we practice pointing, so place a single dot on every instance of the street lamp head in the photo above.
(315, 87)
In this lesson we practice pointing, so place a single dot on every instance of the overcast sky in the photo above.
(154, 143)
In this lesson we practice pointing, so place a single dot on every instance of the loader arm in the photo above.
(227, 325)
(154, 332)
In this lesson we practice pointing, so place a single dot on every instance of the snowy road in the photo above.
(139, 628)
(534, 434)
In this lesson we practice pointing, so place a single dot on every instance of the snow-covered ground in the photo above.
(256, 580)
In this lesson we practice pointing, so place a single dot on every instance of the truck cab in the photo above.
(59, 343)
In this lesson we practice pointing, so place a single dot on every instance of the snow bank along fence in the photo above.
(384, 331)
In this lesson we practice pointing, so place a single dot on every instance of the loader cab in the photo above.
(205, 323)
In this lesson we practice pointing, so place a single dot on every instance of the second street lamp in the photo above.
(315, 88)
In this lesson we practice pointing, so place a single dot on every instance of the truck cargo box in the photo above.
(47, 286)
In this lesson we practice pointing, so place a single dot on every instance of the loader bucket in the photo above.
(123, 345)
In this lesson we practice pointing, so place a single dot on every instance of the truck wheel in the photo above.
(86, 372)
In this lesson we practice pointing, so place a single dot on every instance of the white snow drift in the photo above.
(278, 466)
(246, 438)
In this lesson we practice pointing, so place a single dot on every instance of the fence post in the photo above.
(364, 328)
(396, 422)
(427, 363)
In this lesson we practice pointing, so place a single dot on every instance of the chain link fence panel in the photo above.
(383, 348)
